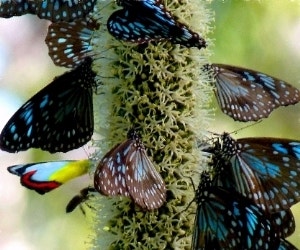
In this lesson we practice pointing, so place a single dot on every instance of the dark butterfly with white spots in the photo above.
(225, 219)
(141, 21)
(79, 199)
(53, 10)
(266, 170)
(43, 177)
(58, 118)
(127, 170)
(247, 95)
(70, 42)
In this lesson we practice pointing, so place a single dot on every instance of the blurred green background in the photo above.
(260, 35)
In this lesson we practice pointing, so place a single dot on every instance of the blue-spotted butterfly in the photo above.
(248, 95)
(53, 10)
(141, 21)
(225, 219)
(79, 199)
(70, 42)
(266, 170)
(127, 170)
(58, 118)
(43, 177)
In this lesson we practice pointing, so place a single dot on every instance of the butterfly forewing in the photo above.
(127, 170)
(143, 21)
(69, 43)
(247, 95)
(53, 10)
(263, 169)
(58, 118)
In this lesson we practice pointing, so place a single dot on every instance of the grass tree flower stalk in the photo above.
(159, 89)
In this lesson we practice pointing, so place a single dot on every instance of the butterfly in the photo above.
(247, 95)
(58, 118)
(77, 200)
(127, 170)
(148, 20)
(266, 170)
(53, 10)
(70, 42)
(225, 219)
(43, 177)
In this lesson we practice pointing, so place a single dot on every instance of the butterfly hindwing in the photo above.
(70, 42)
(58, 118)
(43, 177)
(10, 8)
(53, 10)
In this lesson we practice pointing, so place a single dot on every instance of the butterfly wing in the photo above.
(145, 184)
(69, 42)
(284, 223)
(227, 220)
(247, 95)
(59, 118)
(53, 10)
(10, 8)
(144, 21)
(43, 177)
(127, 170)
(285, 245)
(264, 169)
(109, 177)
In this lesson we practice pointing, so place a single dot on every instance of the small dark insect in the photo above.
(79, 199)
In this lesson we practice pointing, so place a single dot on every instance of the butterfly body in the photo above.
(43, 177)
(126, 170)
(53, 10)
(147, 20)
(58, 118)
(248, 95)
